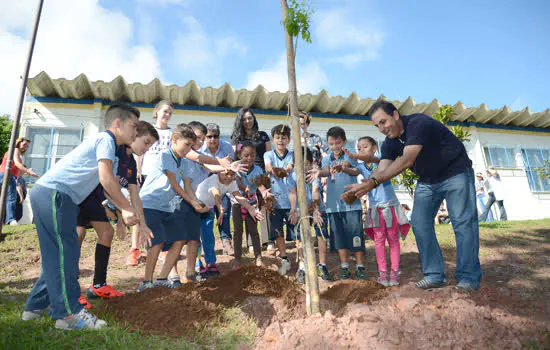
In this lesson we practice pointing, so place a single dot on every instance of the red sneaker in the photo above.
(84, 302)
(104, 292)
(133, 257)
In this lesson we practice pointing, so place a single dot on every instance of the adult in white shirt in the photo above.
(495, 193)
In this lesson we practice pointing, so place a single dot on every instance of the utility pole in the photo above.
(17, 120)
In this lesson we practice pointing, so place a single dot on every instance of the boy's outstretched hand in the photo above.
(293, 216)
(238, 168)
(312, 175)
(130, 217)
(145, 235)
(200, 207)
(256, 214)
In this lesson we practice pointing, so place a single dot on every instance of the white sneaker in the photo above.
(33, 314)
(285, 267)
(14, 223)
(81, 320)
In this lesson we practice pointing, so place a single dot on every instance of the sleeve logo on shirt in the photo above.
(181, 172)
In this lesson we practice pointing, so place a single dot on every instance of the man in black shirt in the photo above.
(440, 160)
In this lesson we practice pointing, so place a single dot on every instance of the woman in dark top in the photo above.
(246, 128)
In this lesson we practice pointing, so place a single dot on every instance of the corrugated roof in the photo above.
(226, 96)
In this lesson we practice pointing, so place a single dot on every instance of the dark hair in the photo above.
(309, 155)
(183, 131)
(280, 129)
(405, 206)
(242, 145)
(238, 129)
(306, 116)
(369, 140)
(159, 105)
(386, 106)
(145, 129)
(195, 125)
(336, 132)
(119, 111)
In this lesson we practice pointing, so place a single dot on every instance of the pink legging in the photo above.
(392, 235)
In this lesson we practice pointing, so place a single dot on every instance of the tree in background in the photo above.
(407, 179)
(5, 132)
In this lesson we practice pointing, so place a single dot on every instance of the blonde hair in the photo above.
(161, 104)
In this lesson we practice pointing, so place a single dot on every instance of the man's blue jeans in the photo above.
(459, 192)
(481, 200)
(225, 227)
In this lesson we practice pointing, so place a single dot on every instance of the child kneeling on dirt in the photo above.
(246, 153)
(55, 198)
(316, 209)
(279, 164)
(164, 218)
(210, 192)
(385, 218)
(345, 215)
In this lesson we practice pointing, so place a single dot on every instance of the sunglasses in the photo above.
(212, 136)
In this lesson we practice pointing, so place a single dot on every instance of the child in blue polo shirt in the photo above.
(55, 199)
(316, 209)
(93, 212)
(163, 216)
(279, 164)
(345, 217)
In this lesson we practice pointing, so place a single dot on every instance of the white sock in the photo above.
(345, 265)
(301, 265)
(359, 265)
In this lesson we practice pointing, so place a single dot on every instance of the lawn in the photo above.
(515, 256)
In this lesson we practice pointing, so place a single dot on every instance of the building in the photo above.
(59, 113)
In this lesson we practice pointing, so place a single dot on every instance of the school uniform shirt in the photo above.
(224, 149)
(280, 188)
(204, 192)
(248, 179)
(442, 156)
(157, 193)
(309, 191)
(335, 188)
(196, 173)
(76, 174)
(162, 144)
(127, 167)
(384, 193)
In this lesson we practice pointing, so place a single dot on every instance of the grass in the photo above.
(519, 245)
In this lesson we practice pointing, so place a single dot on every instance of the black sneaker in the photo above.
(360, 273)
(300, 276)
(344, 273)
(427, 285)
(322, 271)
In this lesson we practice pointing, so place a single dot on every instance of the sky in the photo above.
(493, 51)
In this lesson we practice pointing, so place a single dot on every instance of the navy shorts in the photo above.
(185, 220)
(165, 226)
(91, 208)
(347, 229)
(277, 221)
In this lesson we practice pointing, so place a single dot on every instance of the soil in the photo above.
(280, 172)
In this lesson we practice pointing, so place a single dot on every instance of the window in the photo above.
(500, 156)
(48, 145)
(532, 159)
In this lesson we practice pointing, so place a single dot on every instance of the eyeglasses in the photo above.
(212, 136)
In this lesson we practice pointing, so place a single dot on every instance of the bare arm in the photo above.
(204, 159)
(387, 170)
(112, 187)
(255, 213)
(19, 164)
(183, 194)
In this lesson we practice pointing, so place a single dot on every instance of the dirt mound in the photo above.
(176, 312)
(408, 318)
(352, 292)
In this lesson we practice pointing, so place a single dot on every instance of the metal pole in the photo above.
(17, 120)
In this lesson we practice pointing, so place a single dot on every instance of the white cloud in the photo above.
(355, 42)
(74, 37)
(201, 56)
(310, 77)
(518, 104)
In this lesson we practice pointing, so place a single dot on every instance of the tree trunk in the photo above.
(312, 285)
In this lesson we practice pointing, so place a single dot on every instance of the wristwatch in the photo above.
(375, 181)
